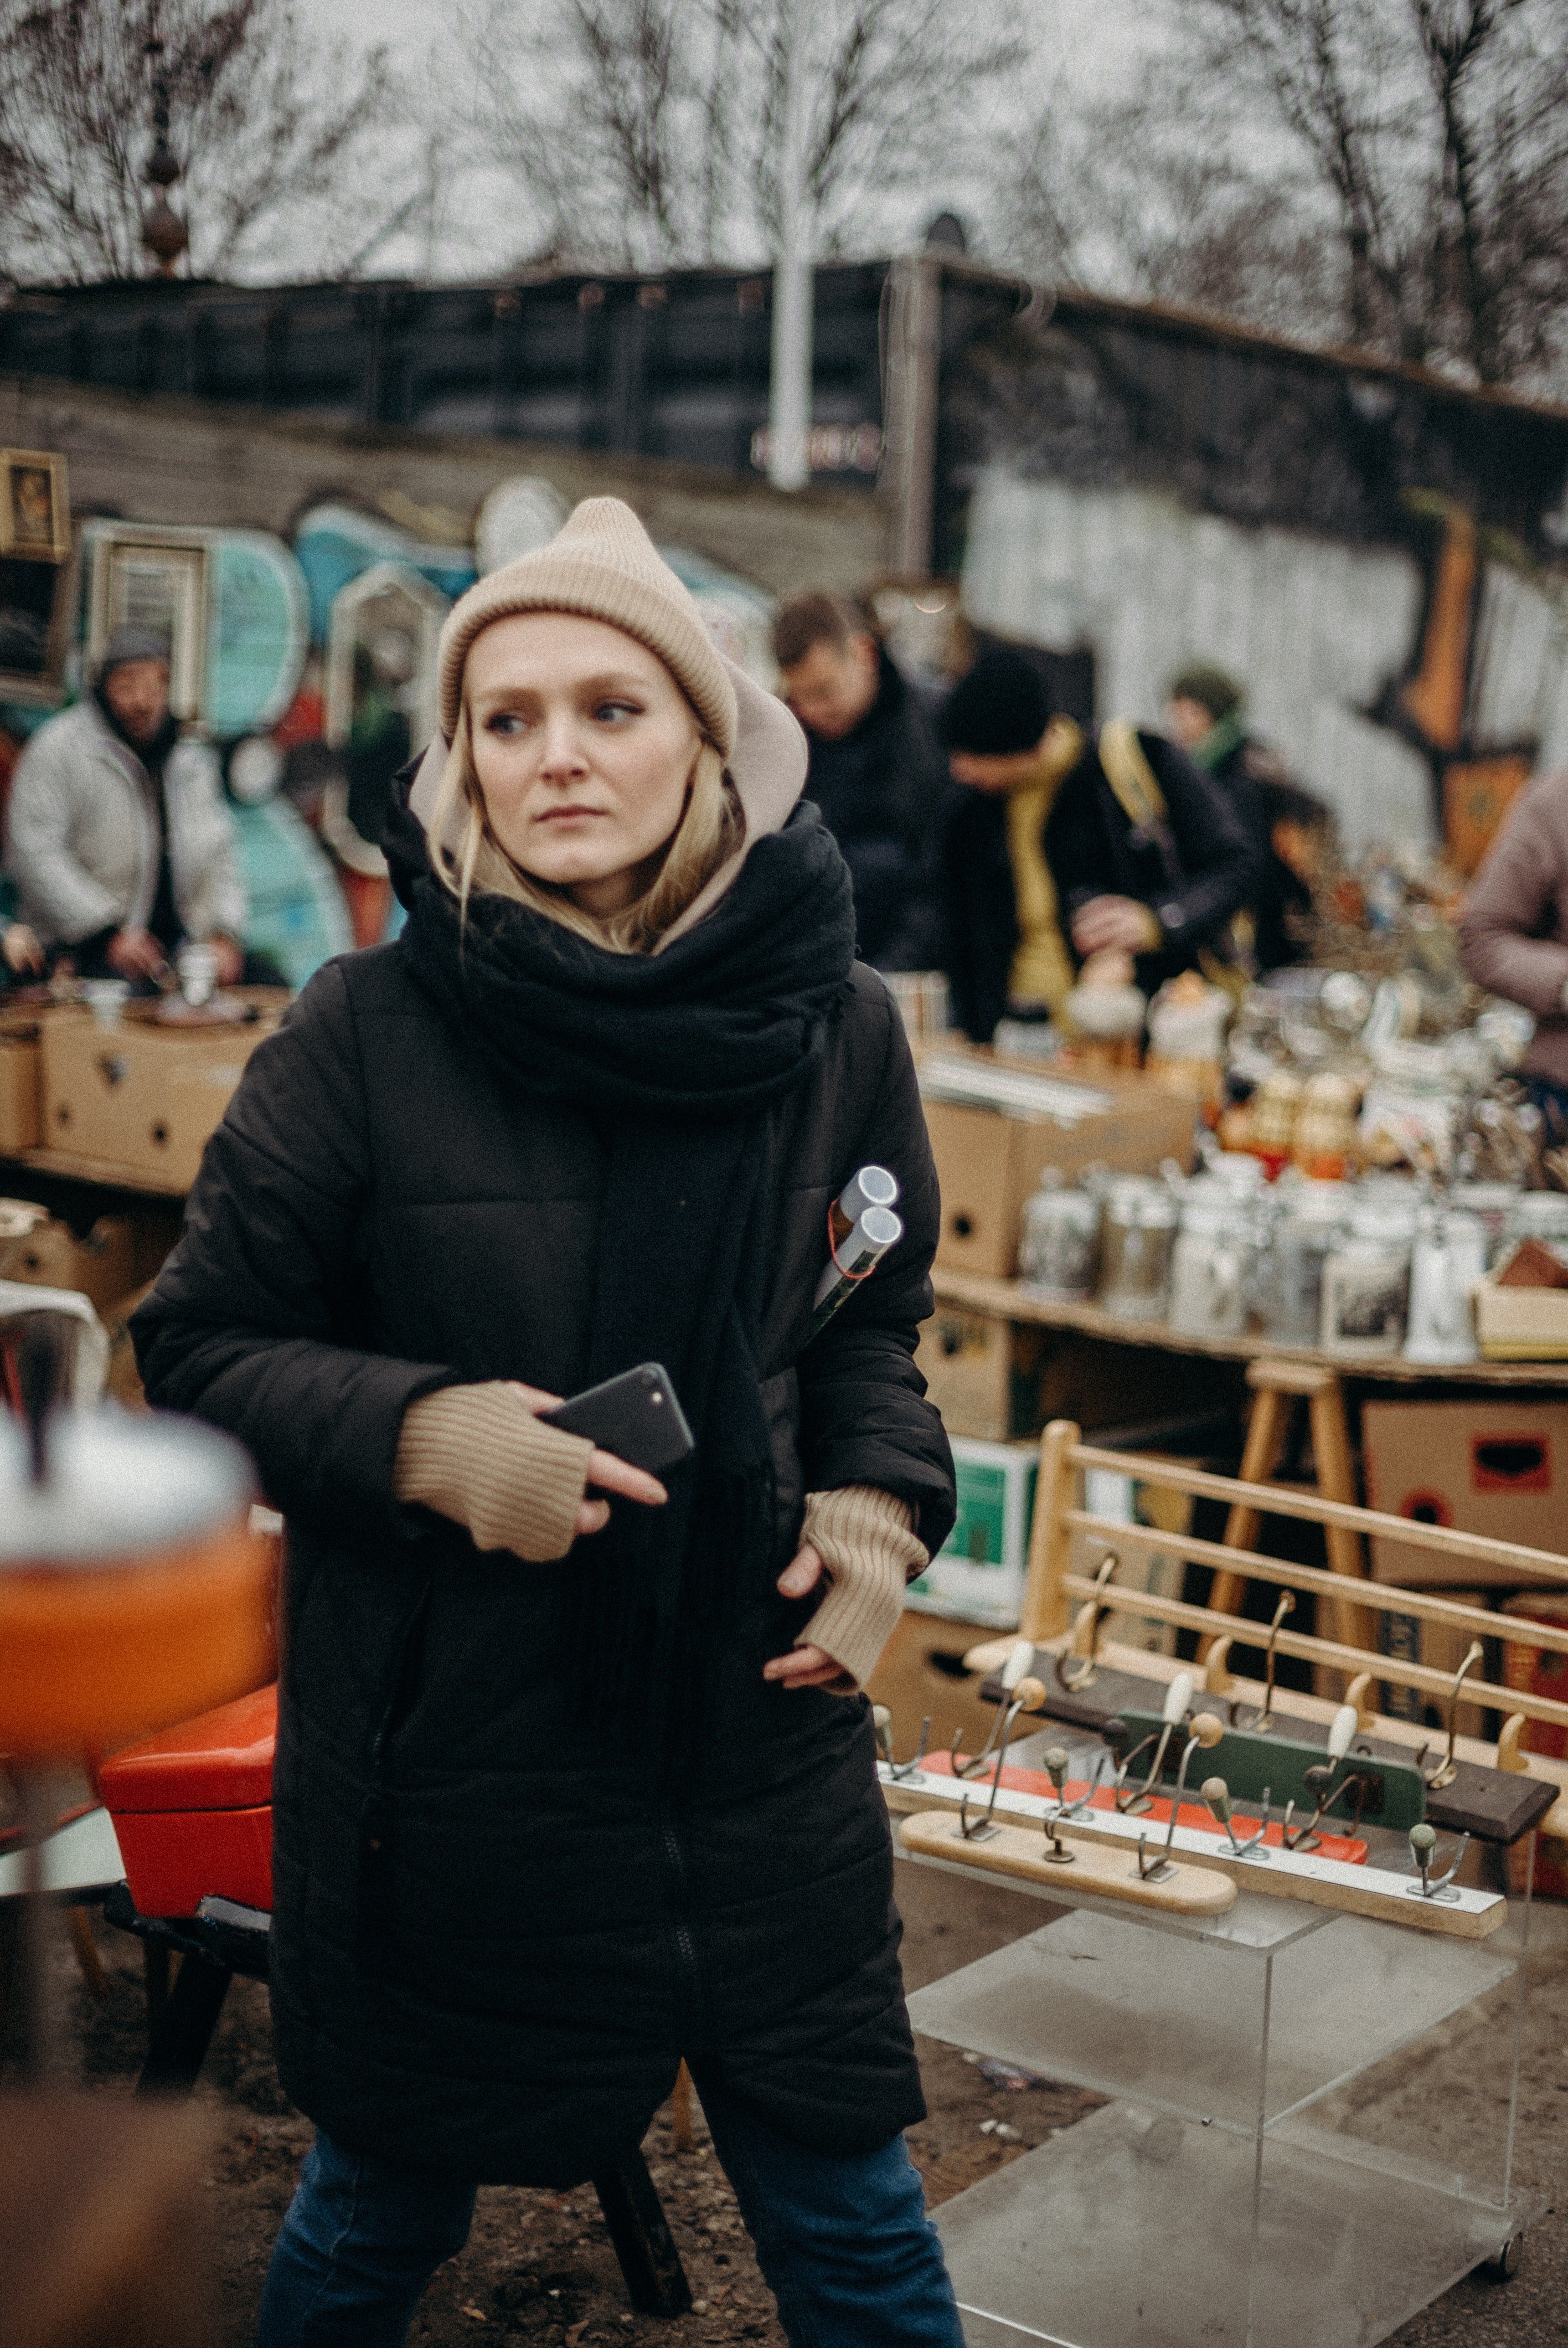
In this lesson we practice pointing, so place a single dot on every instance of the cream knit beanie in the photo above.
(601, 563)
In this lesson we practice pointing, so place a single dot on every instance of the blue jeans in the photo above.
(844, 2241)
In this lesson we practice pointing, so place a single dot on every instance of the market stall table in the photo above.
(1010, 1300)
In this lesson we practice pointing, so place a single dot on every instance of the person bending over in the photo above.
(574, 1775)
(1070, 856)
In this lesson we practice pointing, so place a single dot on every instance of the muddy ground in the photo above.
(538, 2267)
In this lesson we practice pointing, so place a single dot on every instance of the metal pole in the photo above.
(789, 403)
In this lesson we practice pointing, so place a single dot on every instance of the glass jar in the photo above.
(1540, 1215)
(1212, 1266)
(1059, 1253)
(1492, 1204)
(1366, 1285)
(1446, 1266)
(1137, 1240)
(1310, 1219)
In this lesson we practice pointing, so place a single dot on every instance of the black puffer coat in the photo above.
(492, 1938)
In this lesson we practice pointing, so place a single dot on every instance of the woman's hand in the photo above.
(803, 1666)
(20, 950)
(1114, 925)
(611, 1474)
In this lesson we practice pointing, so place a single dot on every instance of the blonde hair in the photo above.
(709, 831)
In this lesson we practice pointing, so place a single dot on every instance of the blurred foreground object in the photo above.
(131, 1594)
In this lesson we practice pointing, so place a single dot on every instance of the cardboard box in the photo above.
(1522, 1324)
(988, 1162)
(1494, 1468)
(140, 1097)
(103, 1266)
(982, 1372)
(1442, 1647)
(979, 1575)
(1540, 1671)
(21, 1084)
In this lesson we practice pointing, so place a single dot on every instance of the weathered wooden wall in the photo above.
(160, 460)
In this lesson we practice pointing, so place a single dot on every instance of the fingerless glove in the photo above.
(479, 1455)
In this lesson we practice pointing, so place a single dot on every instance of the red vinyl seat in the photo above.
(192, 1807)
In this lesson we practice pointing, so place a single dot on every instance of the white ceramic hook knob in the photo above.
(1178, 1697)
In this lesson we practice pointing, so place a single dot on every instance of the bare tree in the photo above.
(646, 131)
(1389, 172)
(264, 123)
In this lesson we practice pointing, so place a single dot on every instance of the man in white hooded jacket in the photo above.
(119, 841)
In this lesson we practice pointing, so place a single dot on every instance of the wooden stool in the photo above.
(1278, 1387)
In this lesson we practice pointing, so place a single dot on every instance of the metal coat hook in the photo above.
(1178, 1697)
(1057, 1762)
(983, 1828)
(1056, 1850)
(1264, 1720)
(1207, 1734)
(898, 1770)
(1217, 1795)
(1025, 1695)
(1446, 1774)
(1320, 1784)
(1423, 1843)
(1092, 1619)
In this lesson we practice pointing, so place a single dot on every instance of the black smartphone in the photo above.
(636, 1415)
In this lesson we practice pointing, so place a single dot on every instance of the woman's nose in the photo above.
(563, 754)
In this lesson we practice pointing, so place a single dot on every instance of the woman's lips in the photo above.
(570, 815)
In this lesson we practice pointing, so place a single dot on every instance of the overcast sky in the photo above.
(480, 227)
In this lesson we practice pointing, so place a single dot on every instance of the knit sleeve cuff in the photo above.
(478, 1455)
(867, 1540)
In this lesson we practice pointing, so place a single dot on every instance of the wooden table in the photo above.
(1010, 1300)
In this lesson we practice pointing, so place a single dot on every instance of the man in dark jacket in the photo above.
(878, 771)
(1287, 827)
(1066, 857)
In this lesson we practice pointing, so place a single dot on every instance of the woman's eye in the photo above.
(610, 713)
(504, 722)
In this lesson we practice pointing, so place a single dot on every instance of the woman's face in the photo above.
(583, 746)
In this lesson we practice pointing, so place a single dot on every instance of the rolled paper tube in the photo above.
(1178, 1697)
(876, 1232)
(1217, 1795)
(1342, 1731)
(1207, 1730)
(1030, 1694)
(872, 1187)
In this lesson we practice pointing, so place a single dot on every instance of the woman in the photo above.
(566, 1785)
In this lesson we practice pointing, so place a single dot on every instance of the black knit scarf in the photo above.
(678, 1056)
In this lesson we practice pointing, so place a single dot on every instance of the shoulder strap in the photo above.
(1132, 778)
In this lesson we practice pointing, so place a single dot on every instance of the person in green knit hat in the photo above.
(1291, 831)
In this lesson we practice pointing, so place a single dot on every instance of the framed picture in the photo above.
(141, 578)
(382, 636)
(34, 602)
(35, 506)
